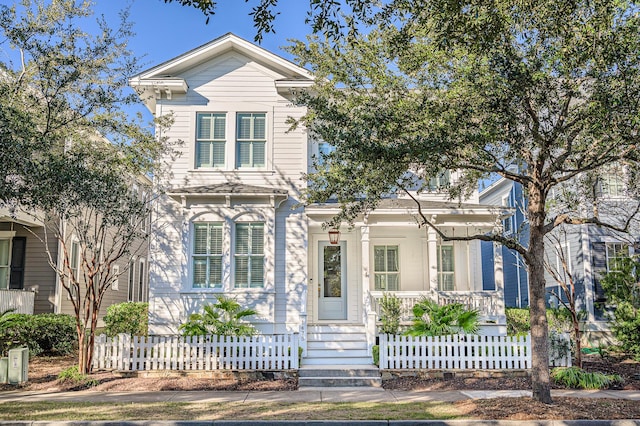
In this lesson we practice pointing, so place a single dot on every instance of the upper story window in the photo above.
(249, 255)
(207, 255)
(385, 266)
(446, 268)
(210, 139)
(508, 225)
(251, 139)
(440, 181)
(616, 253)
(611, 183)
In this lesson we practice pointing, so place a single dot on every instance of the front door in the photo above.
(332, 297)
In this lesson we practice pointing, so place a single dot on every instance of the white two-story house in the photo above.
(233, 222)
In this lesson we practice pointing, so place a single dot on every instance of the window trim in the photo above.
(252, 140)
(212, 165)
(442, 273)
(8, 236)
(249, 256)
(208, 255)
(386, 273)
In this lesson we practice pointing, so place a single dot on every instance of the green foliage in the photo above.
(623, 291)
(223, 318)
(130, 317)
(431, 319)
(519, 321)
(72, 375)
(391, 311)
(43, 334)
(375, 350)
(577, 378)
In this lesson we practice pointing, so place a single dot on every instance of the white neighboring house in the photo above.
(231, 222)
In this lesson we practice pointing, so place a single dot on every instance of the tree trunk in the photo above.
(540, 378)
(578, 335)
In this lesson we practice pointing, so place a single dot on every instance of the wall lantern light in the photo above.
(334, 236)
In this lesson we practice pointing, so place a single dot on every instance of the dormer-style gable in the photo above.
(167, 79)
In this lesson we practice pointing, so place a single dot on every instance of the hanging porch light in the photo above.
(334, 236)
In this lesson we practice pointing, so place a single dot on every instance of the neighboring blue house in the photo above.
(516, 291)
(591, 251)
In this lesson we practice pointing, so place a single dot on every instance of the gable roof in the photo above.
(164, 78)
(221, 45)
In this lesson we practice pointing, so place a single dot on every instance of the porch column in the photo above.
(369, 315)
(498, 273)
(432, 261)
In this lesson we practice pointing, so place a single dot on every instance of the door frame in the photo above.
(344, 281)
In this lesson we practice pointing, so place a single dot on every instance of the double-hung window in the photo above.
(385, 266)
(210, 139)
(207, 255)
(74, 266)
(446, 270)
(616, 253)
(249, 255)
(251, 139)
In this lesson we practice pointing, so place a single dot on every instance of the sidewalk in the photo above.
(305, 395)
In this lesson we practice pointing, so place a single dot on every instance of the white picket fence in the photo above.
(460, 352)
(262, 352)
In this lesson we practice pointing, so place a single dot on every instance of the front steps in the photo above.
(339, 376)
(337, 357)
(337, 345)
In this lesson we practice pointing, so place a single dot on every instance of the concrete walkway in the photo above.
(304, 395)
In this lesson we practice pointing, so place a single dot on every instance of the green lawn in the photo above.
(228, 410)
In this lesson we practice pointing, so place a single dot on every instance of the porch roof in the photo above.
(228, 190)
(407, 205)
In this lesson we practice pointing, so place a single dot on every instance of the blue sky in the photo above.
(164, 31)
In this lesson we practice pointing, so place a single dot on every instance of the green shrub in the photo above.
(223, 318)
(43, 334)
(391, 310)
(431, 319)
(130, 318)
(375, 350)
(72, 375)
(577, 378)
(519, 323)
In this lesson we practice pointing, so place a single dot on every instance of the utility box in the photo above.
(4, 370)
(18, 365)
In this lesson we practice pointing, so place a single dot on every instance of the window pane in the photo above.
(257, 271)
(4, 252)
(215, 240)
(258, 154)
(392, 282)
(392, 259)
(199, 272)
(447, 258)
(244, 126)
(218, 154)
(242, 239)
(380, 281)
(242, 272)
(219, 128)
(244, 154)
(378, 259)
(203, 154)
(257, 239)
(200, 238)
(204, 126)
(259, 126)
(215, 272)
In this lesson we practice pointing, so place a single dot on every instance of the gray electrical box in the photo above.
(18, 365)
(4, 370)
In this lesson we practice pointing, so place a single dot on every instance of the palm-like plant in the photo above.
(223, 318)
(431, 319)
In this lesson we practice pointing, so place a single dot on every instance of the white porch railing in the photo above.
(487, 303)
(263, 352)
(21, 301)
(460, 352)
